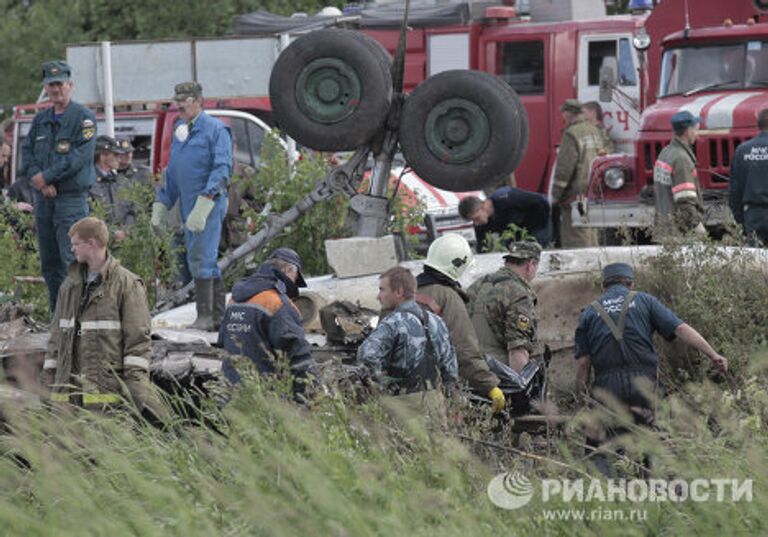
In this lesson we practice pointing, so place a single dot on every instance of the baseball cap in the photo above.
(684, 119)
(187, 90)
(56, 71)
(289, 255)
(571, 105)
(618, 270)
(524, 250)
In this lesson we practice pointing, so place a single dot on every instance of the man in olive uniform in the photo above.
(57, 156)
(135, 173)
(679, 205)
(503, 307)
(100, 334)
(439, 289)
(580, 144)
(108, 190)
(593, 113)
(748, 187)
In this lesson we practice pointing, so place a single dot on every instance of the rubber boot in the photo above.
(204, 299)
(219, 302)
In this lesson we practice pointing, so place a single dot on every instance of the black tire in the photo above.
(523, 134)
(462, 130)
(353, 73)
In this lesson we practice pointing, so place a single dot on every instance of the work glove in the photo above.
(159, 213)
(198, 216)
(498, 399)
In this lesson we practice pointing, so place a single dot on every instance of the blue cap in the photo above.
(684, 119)
(618, 270)
(56, 71)
(289, 255)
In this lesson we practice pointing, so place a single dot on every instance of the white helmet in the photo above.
(329, 11)
(451, 255)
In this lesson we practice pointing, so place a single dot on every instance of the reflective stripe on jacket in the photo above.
(99, 343)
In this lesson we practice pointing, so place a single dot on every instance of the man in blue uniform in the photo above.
(615, 338)
(197, 176)
(262, 320)
(508, 205)
(748, 188)
(57, 156)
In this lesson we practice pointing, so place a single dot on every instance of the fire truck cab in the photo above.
(719, 73)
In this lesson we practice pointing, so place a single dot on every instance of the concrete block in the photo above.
(361, 256)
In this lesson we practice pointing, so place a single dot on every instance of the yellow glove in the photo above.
(159, 212)
(198, 216)
(499, 401)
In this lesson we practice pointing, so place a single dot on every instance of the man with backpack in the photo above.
(409, 353)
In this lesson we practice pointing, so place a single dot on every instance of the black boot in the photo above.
(204, 300)
(219, 302)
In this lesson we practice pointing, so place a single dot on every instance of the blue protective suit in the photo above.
(262, 320)
(200, 166)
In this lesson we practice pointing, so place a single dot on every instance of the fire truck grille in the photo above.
(714, 155)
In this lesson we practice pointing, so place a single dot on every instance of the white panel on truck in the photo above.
(446, 52)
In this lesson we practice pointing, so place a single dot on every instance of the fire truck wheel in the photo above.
(331, 90)
(519, 150)
(461, 130)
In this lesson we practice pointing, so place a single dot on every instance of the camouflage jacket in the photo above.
(676, 184)
(503, 311)
(398, 346)
(137, 173)
(472, 366)
(608, 145)
(109, 191)
(580, 144)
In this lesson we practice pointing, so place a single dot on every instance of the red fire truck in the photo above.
(716, 69)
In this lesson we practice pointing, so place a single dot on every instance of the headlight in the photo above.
(615, 178)
(641, 40)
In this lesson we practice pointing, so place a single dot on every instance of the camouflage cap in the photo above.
(56, 71)
(187, 90)
(524, 250)
(571, 105)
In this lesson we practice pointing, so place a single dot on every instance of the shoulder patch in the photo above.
(89, 129)
(269, 300)
(523, 322)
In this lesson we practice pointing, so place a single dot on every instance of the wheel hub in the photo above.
(328, 90)
(457, 131)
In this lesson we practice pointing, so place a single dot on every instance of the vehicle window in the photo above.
(692, 69)
(523, 66)
(256, 134)
(756, 71)
(597, 52)
(627, 72)
(241, 145)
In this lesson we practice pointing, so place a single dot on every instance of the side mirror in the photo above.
(607, 79)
